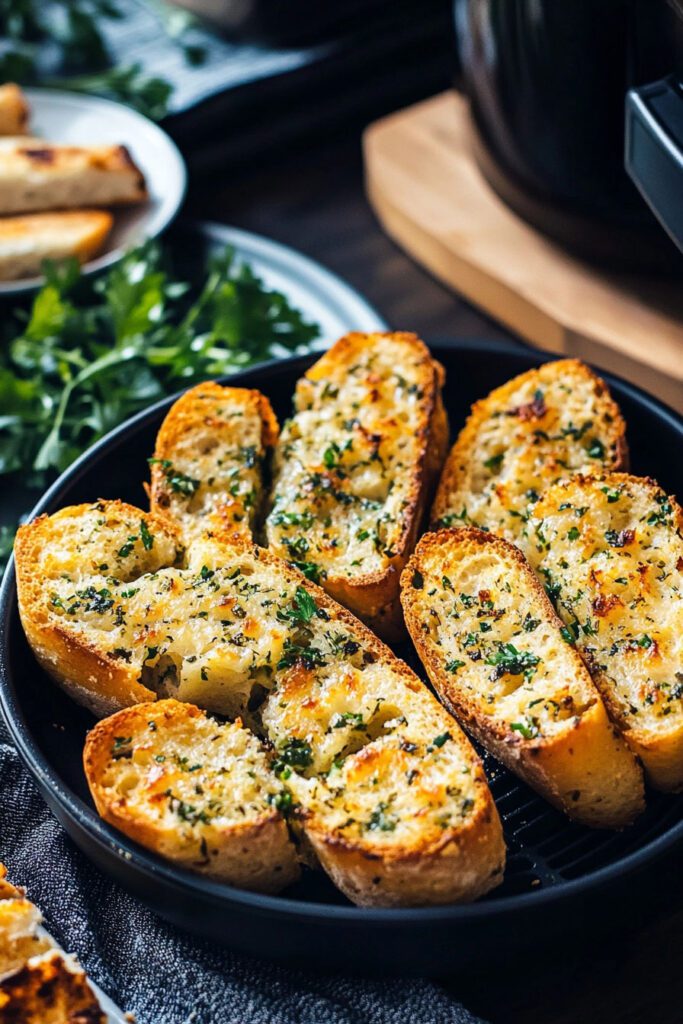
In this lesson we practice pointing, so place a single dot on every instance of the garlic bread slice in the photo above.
(355, 468)
(391, 796)
(493, 647)
(52, 177)
(207, 470)
(609, 549)
(26, 241)
(541, 426)
(198, 792)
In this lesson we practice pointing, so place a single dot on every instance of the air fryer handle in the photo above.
(653, 152)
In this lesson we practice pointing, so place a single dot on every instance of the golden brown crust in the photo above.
(373, 594)
(487, 502)
(463, 866)
(25, 241)
(579, 764)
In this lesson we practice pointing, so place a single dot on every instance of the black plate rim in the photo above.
(150, 865)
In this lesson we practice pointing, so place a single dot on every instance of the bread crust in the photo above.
(373, 594)
(255, 853)
(527, 461)
(49, 989)
(580, 765)
(620, 590)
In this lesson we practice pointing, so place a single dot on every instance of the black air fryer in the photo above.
(578, 109)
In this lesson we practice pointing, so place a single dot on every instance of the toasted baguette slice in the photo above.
(49, 989)
(14, 110)
(26, 241)
(207, 471)
(50, 177)
(198, 792)
(392, 797)
(543, 425)
(355, 469)
(240, 632)
(493, 648)
(610, 552)
(73, 569)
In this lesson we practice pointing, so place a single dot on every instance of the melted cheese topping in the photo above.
(399, 790)
(345, 468)
(545, 428)
(611, 557)
(185, 773)
(498, 649)
(236, 636)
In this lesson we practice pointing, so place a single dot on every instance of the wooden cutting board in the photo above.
(430, 197)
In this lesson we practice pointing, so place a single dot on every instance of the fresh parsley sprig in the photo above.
(89, 355)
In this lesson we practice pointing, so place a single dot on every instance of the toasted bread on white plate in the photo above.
(609, 549)
(54, 177)
(355, 468)
(543, 425)
(495, 651)
(26, 241)
(14, 110)
(207, 470)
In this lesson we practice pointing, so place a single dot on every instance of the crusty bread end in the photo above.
(208, 465)
(14, 110)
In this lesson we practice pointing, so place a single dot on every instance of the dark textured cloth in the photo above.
(163, 975)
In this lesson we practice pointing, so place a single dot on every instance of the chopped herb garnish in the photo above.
(146, 537)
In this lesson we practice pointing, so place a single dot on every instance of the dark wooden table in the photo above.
(313, 200)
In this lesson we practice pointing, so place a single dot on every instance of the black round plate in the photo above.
(559, 878)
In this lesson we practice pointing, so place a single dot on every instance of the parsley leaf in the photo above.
(92, 353)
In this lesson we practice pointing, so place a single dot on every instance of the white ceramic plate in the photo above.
(76, 119)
